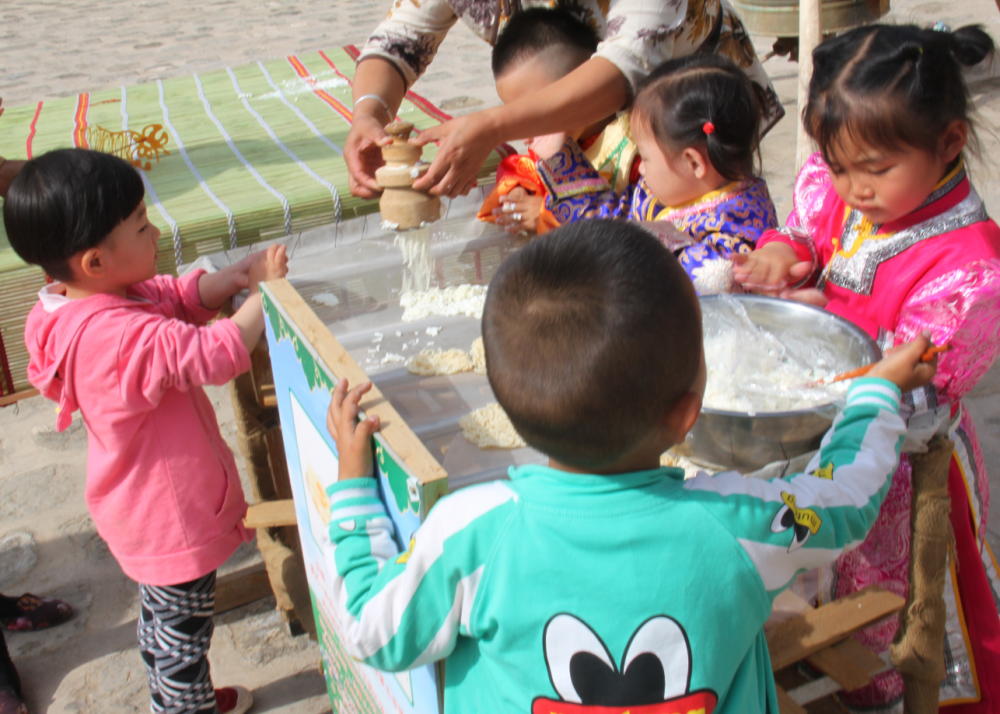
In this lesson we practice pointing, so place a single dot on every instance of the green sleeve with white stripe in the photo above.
(399, 611)
(807, 520)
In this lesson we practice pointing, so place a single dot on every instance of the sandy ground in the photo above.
(48, 545)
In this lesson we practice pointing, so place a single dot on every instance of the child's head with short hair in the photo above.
(592, 336)
(538, 47)
(80, 216)
(696, 122)
(889, 109)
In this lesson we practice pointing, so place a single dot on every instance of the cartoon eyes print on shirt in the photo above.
(804, 522)
(653, 678)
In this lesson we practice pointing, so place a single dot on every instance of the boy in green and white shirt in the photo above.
(602, 583)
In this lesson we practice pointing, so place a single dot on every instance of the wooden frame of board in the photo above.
(307, 362)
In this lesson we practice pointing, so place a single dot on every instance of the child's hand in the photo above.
(519, 211)
(354, 449)
(267, 265)
(769, 268)
(904, 365)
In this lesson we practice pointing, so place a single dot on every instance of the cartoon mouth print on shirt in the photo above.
(654, 676)
(804, 522)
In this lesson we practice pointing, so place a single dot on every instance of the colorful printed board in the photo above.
(307, 362)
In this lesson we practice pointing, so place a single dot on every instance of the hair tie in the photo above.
(708, 128)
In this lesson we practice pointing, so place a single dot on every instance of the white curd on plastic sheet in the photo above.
(751, 371)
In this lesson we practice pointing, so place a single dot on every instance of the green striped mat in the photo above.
(229, 158)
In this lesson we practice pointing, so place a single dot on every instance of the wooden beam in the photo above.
(800, 637)
(840, 668)
(271, 514)
(810, 35)
(787, 705)
(8, 399)
(241, 588)
(860, 655)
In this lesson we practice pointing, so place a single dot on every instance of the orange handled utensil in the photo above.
(862, 371)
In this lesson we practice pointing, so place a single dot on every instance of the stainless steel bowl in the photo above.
(723, 440)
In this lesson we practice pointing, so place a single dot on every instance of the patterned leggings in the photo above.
(175, 631)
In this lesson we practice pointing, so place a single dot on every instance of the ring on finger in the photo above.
(516, 216)
(510, 206)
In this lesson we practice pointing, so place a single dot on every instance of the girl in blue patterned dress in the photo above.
(696, 123)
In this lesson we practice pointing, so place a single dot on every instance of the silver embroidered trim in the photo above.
(857, 273)
(958, 682)
(944, 190)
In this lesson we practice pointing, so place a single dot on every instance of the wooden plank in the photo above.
(787, 705)
(9, 399)
(241, 588)
(863, 657)
(802, 636)
(785, 607)
(395, 431)
(271, 514)
(840, 668)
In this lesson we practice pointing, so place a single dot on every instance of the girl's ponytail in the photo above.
(704, 99)
(970, 45)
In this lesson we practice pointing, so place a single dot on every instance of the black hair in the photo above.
(682, 95)
(591, 333)
(529, 32)
(67, 201)
(892, 85)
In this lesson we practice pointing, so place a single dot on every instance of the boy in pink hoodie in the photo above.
(131, 350)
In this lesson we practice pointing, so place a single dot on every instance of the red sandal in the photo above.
(10, 703)
(37, 613)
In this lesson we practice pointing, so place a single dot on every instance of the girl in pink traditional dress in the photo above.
(888, 232)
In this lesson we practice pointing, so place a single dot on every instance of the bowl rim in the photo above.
(851, 327)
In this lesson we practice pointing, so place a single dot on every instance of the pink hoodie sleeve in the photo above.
(182, 293)
(157, 354)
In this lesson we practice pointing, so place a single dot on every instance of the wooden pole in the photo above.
(810, 34)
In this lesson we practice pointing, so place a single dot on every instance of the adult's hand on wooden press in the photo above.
(363, 153)
(353, 437)
(464, 144)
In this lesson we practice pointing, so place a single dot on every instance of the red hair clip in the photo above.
(708, 128)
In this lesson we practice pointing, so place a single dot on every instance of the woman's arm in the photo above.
(8, 172)
(593, 91)
(379, 77)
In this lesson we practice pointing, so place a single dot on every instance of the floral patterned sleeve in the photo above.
(409, 38)
(640, 35)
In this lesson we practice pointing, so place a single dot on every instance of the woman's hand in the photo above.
(363, 154)
(373, 77)
(8, 170)
(353, 438)
(519, 211)
(464, 144)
